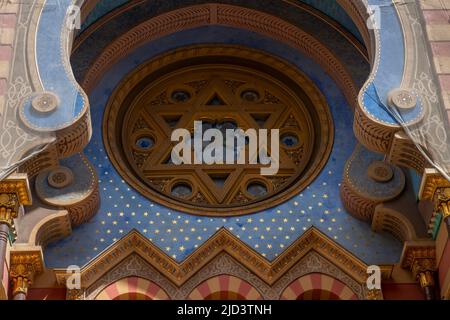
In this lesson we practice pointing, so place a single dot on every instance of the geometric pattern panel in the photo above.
(143, 113)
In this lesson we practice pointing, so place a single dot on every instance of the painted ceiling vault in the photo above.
(179, 234)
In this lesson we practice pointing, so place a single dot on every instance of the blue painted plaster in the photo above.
(179, 234)
(56, 75)
(389, 67)
(329, 8)
(55, 72)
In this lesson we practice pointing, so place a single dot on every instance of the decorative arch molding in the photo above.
(358, 12)
(135, 266)
(226, 15)
(372, 126)
(225, 287)
(131, 266)
(134, 255)
(380, 128)
(318, 281)
(132, 288)
(355, 9)
(87, 7)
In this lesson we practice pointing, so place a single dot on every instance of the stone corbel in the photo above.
(403, 152)
(26, 263)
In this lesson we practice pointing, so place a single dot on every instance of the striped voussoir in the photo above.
(317, 286)
(133, 288)
(225, 287)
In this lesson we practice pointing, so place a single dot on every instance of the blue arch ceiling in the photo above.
(319, 205)
(179, 234)
(330, 8)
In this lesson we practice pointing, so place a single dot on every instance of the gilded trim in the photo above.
(223, 241)
(319, 121)
(431, 181)
(17, 183)
(228, 15)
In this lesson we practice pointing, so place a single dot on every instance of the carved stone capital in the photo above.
(442, 202)
(75, 294)
(14, 191)
(374, 295)
(9, 207)
(25, 265)
(431, 182)
(17, 184)
(420, 259)
(423, 272)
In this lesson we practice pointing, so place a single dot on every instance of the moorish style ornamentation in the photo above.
(87, 112)
(222, 96)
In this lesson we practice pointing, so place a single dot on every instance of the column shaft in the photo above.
(4, 234)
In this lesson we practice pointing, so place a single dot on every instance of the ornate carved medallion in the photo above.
(225, 88)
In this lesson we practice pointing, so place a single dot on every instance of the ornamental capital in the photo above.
(9, 207)
(26, 263)
(420, 259)
(423, 271)
(417, 250)
(17, 184)
(374, 294)
(442, 202)
(14, 192)
(75, 294)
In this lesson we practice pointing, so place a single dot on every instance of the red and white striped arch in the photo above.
(318, 286)
(133, 288)
(225, 287)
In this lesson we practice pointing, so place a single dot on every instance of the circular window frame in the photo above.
(135, 83)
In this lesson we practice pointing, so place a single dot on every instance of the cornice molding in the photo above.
(417, 250)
